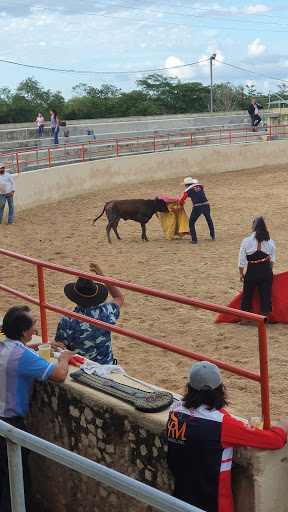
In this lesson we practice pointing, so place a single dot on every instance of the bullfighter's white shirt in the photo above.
(249, 246)
(6, 183)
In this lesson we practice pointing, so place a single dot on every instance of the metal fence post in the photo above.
(16, 476)
(117, 148)
(83, 154)
(264, 377)
(191, 140)
(49, 158)
(42, 302)
(17, 163)
(154, 144)
(230, 138)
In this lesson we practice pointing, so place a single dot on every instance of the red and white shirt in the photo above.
(200, 451)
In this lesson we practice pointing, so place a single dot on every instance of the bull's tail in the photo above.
(99, 216)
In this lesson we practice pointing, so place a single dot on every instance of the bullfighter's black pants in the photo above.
(203, 209)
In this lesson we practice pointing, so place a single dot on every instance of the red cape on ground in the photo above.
(279, 302)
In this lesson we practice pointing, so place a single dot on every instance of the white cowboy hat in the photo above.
(189, 181)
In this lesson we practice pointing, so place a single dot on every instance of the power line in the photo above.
(253, 72)
(84, 72)
(81, 72)
(184, 14)
(240, 13)
(141, 21)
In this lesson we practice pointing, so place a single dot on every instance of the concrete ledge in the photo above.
(113, 433)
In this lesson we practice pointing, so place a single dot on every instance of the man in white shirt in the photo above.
(7, 189)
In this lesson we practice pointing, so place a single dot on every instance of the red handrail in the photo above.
(262, 378)
(149, 142)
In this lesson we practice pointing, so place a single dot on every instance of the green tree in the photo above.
(227, 96)
(83, 108)
(283, 91)
(136, 103)
(191, 97)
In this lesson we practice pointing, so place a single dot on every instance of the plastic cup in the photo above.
(256, 420)
(44, 350)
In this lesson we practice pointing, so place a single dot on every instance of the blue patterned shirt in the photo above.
(90, 341)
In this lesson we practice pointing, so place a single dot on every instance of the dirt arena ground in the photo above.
(62, 233)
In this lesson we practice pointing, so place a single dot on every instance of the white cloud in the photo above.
(256, 9)
(255, 48)
(182, 73)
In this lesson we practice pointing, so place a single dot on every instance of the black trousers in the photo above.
(255, 120)
(264, 287)
(195, 214)
(5, 501)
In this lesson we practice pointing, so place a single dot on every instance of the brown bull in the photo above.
(140, 210)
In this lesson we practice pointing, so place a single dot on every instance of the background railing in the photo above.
(30, 159)
(261, 321)
(142, 492)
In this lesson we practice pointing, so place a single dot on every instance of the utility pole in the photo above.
(213, 57)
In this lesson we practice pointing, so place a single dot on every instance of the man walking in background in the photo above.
(7, 189)
(253, 110)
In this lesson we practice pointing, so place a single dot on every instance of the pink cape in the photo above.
(279, 302)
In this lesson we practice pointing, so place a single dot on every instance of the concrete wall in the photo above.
(13, 138)
(114, 434)
(50, 185)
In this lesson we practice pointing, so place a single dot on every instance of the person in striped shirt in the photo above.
(19, 367)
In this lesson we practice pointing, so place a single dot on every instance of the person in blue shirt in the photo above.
(90, 341)
(19, 367)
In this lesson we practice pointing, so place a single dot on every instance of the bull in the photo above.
(140, 210)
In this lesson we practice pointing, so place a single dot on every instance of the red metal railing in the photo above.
(149, 143)
(262, 377)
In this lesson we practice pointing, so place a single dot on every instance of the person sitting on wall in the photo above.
(19, 367)
(201, 436)
(90, 341)
(253, 110)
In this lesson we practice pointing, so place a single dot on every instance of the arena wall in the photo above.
(51, 185)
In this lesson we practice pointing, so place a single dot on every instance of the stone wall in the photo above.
(114, 434)
(102, 429)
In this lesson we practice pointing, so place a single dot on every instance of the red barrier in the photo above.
(154, 143)
(262, 378)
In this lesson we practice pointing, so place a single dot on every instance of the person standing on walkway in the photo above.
(40, 121)
(195, 191)
(7, 189)
(258, 250)
(253, 110)
(55, 125)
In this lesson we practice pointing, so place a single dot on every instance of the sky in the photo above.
(120, 41)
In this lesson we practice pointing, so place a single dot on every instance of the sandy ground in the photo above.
(62, 233)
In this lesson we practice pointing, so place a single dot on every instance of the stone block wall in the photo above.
(112, 433)
(99, 430)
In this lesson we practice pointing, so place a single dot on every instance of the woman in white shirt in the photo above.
(258, 250)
